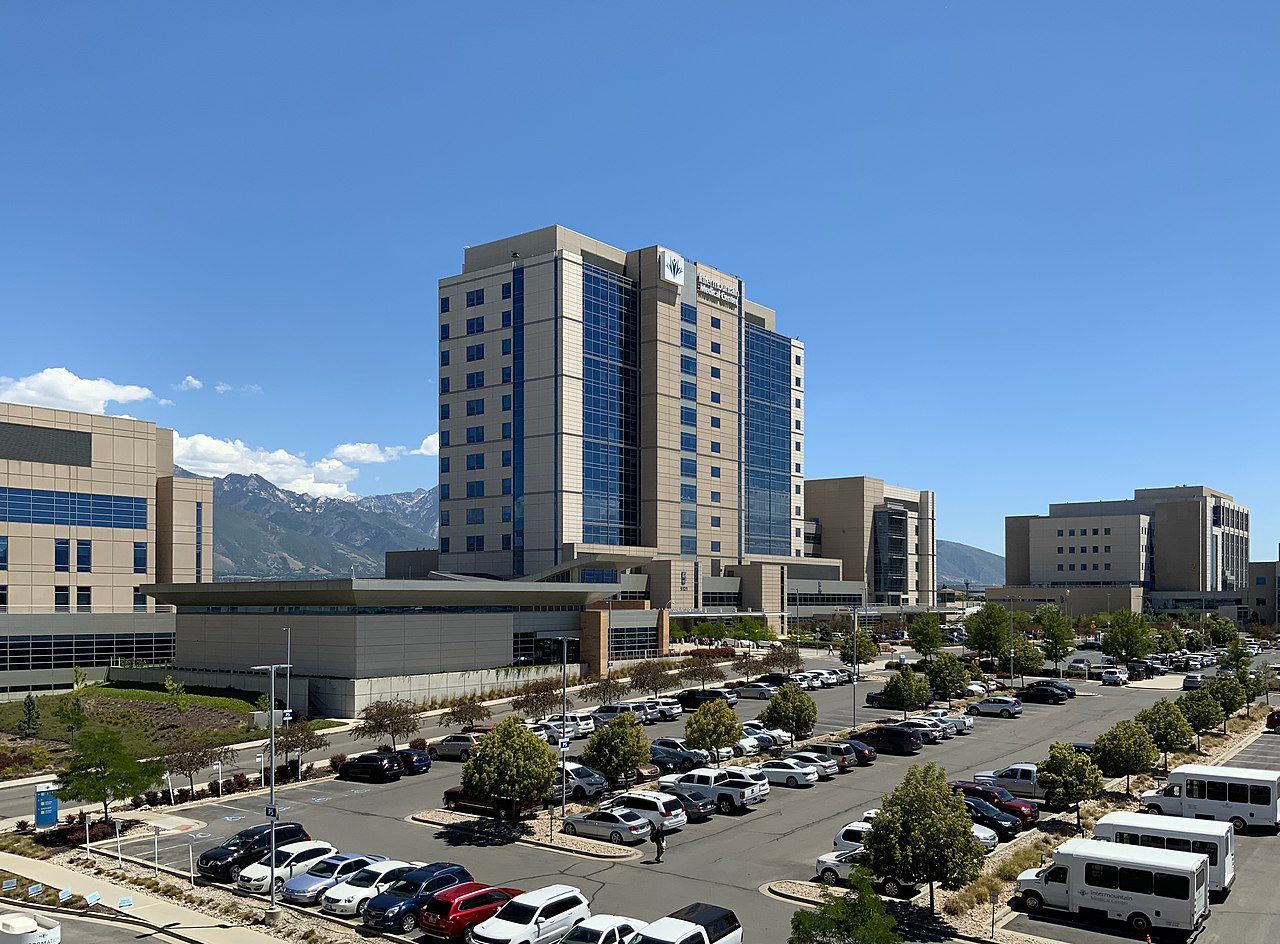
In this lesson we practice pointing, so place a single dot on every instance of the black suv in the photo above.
(888, 738)
(691, 699)
(371, 767)
(223, 863)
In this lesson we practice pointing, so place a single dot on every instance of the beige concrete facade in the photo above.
(543, 398)
(884, 535)
(1264, 576)
(1074, 601)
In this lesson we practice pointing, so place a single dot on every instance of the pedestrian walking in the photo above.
(659, 843)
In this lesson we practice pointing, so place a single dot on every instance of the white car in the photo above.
(851, 836)
(1000, 705)
(790, 773)
(746, 746)
(941, 730)
(834, 867)
(752, 774)
(987, 838)
(605, 929)
(291, 860)
(552, 731)
(825, 766)
(804, 681)
(761, 690)
(583, 725)
(351, 896)
(663, 811)
(671, 705)
(779, 737)
(976, 688)
(1115, 677)
(545, 915)
(961, 724)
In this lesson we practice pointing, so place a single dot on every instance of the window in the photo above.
(688, 339)
(715, 322)
(1237, 793)
(84, 600)
(715, 547)
(797, 468)
(689, 544)
(506, 458)
(506, 345)
(1072, 532)
(688, 493)
(1059, 532)
(715, 397)
(715, 347)
(797, 445)
(715, 521)
(475, 407)
(139, 557)
(797, 381)
(475, 543)
(688, 416)
(4, 552)
(715, 497)
(1259, 581)
(444, 545)
(62, 599)
(1095, 566)
(506, 289)
(1177, 887)
(475, 325)
(444, 358)
(1101, 876)
(688, 365)
(444, 332)
(1137, 881)
(475, 461)
(1259, 795)
(1106, 530)
(1207, 849)
(506, 514)
(689, 391)
(1195, 790)
(506, 375)
(1071, 567)
(444, 384)
(506, 319)
(1216, 790)
(444, 463)
(1106, 566)
(797, 360)
(1057, 875)
(475, 297)
(475, 380)
(475, 352)
(444, 519)
(61, 555)
(715, 422)
(444, 411)
(715, 471)
(1106, 549)
(715, 447)
(1059, 548)
(506, 430)
(1071, 549)
(139, 600)
(1060, 567)
(506, 402)
(444, 304)
(506, 486)
(1095, 549)
(689, 518)
(84, 557)
(688, 442)
(475, 516)
(475, 488)
(506, 542)
(444, 491)
(715, 373)
(475, 434)
(1095, 530)
(689, 468)
(689, 314)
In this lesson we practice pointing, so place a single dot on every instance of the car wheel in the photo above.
(1032, 902)
(464, 755)
(892, 887)
(737, 751)
(408, 923)
(724, 804)
(615, 837)
(432, 753)
(973, 710)
(1004, 713)
(1238, 824)
(792, 782)
(361, 905)
(830, 876)
(570, 829)
(234, 873)
(1154, 810)
(1139, 923)
(579, 794)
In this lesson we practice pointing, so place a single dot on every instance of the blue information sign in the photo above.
(92, 898)
(35, 890)
(46, 807)
(9, 884)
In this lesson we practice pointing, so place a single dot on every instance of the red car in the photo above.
(998, 797)
(450, 913)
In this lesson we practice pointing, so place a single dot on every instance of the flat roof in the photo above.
(1125, 854)
(1240, 773)
(463, 591)
(1168, 824)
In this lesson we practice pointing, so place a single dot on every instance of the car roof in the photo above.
(461, 890)
(434, 868)
(541, 896)
(304, 844)
(603, 922)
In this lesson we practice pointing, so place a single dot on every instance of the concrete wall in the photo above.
(1263, 577)
(1074, 601)
(1110, 549)
(1017, 550)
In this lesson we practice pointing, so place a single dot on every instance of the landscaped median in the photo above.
(542, 831)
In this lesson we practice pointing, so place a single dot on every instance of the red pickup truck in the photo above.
(498, 807)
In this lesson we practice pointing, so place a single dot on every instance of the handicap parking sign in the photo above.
(270, 812)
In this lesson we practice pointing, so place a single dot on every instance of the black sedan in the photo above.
(1006, 825)
(1068, 690)
(865, 753)
(1044, 694)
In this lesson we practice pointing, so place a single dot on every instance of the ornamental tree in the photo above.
(1126, 748)
(1129, 637)
(701, 669)
(1027, 659)
(510, 762)
(923, 833)
(651, 676)
(858, 649)
(857, 917)
(540, 699)
(466, 711)
(393, 720)
(1228, 693)
(989, 630)
(1169, 730)
(791, 710)
(1057, 638)
(102, 771)
(907, 690)
(784, 658)
(606, 690)
(712, 727)
(1068, 777)
(618, 748)
(925, 634)
(947, 674)
(1202, 712)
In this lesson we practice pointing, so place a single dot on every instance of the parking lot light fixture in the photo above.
(272, 914)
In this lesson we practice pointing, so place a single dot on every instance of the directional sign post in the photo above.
(286, 715)
(564, 744)
(46, 806)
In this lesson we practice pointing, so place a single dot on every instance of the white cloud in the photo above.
(207, 455)
(363, 453)
(60, 389)
(189, 383)
(430, 446)
(251, 388)
(221, 387)
(166, 402)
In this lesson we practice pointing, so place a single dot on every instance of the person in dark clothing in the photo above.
(659, 843)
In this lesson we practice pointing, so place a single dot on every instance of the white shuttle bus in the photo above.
(1241, 796)
(1215, 841)
(1144, 888)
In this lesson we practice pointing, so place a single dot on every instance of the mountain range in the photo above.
(263, 531)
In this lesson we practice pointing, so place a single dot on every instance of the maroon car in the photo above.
(998, 797)
(451, 913)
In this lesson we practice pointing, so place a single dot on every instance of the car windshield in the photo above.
(235, 842)
(438, 907)
(364, 878)
(1004, 795)
(581, 935)
(282, 857)
(517, 912)
(697, 796)
(983, 807)
(404, 888)
(323, 869)
(628, 816)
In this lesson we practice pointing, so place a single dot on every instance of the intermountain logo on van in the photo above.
(672, 265)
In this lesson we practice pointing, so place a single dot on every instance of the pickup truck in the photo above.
(1018, 779)
(729, 792)
(960, 723)
(698, 923)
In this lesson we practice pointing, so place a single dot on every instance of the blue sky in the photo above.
(1032, 248)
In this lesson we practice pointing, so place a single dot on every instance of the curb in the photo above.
(620, 856)
(106, 915)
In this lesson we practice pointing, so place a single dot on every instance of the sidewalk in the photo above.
(170, 822)
(156, 911)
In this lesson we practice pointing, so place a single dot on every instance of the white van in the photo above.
(1240, 796)
(1144, 888)
(1215, 841)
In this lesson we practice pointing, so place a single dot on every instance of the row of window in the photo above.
(474, 297)
(475, 434)
(1084, 549)
(475, 488)
(1206, 848)
(474, 325)
(1253, 794)
(1071, 532)
(1070, 567)
(20, 653)
(62, 556)
(84, 599)
(1137, 881)
(72, 509)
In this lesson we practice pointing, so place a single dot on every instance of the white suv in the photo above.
(583, 725)
(548, 914)
(663, 811)
(606, 713)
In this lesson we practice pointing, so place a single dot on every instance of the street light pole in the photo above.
(288, 668)
(564, 712)
(272, 914)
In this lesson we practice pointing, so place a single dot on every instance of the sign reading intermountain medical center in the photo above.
(726, 293)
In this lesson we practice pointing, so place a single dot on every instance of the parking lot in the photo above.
(724, 860)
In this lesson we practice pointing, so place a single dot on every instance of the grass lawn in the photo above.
(229, 698)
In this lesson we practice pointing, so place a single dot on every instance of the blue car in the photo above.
(306, 889)
(397, 908)
(413, 761)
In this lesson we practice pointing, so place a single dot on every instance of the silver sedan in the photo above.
(616, 826)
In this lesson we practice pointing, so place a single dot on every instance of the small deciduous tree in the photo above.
(947, 674)
(784, 658)
(298, 737)
(923, 833)
(189, 762)
(1129, 637)
(539, 699)
(858, 917)
(394, 719)
(907, 690)
(988, 630)
(858, 649)
(1125, 748)
(511, 763)
(925, 634)
(712, 727)
(466, 711)
(79, 678)
(1222, 631)
(651, 676)
(617, 749)
(701, 669)
(29, 725)
(791, 710)
(1235, 659)
(1228, 693)
(1057, 638)
(1171, 638)
(1169, 730)
(177, 693)
(1068, 778)
(69, 710)
(606, 690)
(747, 665)
(102, 771)
(1201, 710)
(1027, 659)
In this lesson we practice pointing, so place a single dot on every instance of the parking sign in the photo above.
(270, 812)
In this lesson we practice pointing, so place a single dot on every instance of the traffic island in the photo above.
(541, 831)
